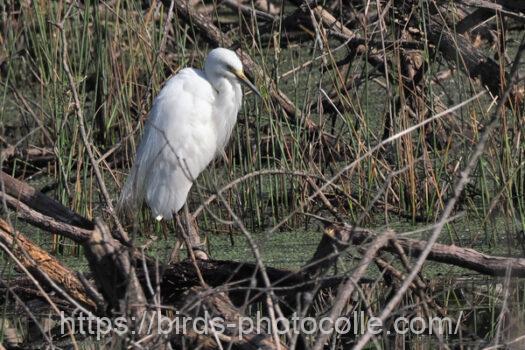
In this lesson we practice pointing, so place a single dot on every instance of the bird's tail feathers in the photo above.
(130, 199)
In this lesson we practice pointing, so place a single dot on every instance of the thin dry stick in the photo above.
(160, 54)
(243, 178)
(505, 345)
(372, 151)
(45, 276)
(44, 222)
(346, 289)
(250, 11)
(27, 310)
(458, 189)
(82, 125)
(325, 201)
(40, 289)
(272, 306)
(504, 307)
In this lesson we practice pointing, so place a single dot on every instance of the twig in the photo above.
(40, 289)
(237, 5)
(243, 178)
(270, 299)
(80, 115)
(372, 151)
(458, 189)
(345, 290)
(44, 222)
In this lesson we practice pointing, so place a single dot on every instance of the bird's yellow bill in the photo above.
(240, 75)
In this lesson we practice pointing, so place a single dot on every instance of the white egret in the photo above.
(189, 124)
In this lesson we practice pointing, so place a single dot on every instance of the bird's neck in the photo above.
(229, 97)
(229, 91)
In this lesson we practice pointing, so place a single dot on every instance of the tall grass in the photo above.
(119, 66)
(121, 53)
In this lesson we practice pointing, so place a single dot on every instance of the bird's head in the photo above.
(225, 63)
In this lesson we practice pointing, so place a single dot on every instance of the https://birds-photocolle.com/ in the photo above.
(189, 124)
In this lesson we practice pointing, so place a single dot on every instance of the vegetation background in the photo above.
(351, 143)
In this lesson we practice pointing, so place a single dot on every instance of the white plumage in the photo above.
(189, 124)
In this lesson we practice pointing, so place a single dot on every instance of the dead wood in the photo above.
(43, 266)
(111, 264)
(207, 303)
(463, 257)
(509, 8)
(473, 19)
(471, 61)
(237, 276)
(41, 203)
(44, 222)
(48, 214)
(449, 254)
(346, 289)
(124, 286)
(244, 281)
(34, 155)
(248, 10)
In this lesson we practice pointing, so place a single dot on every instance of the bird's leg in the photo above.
(192, 231)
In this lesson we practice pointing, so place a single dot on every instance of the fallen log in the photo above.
(509, 8)
(207, 303)
(43, 266)
(113, 269)
(182, 275)
(115, 275)
(244, 281)
(463, 257)
(473, 19)
(44, 222)
(457, 49)
(238, 276)
(36, 156)
(449, 254)
(41, 203)
(48, 214)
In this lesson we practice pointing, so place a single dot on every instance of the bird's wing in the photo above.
(179, 141)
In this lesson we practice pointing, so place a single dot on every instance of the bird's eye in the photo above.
(230, 68)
